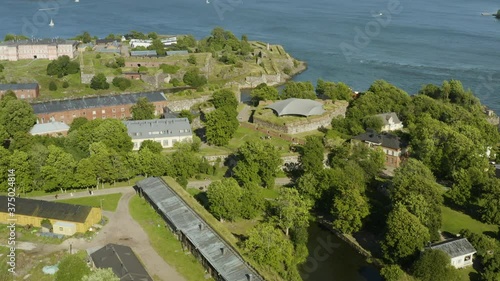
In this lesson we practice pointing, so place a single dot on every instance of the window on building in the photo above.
(60, 228)
(93, 112)
(103, 111)
(22, 96)
(62, 116)
(114, 110)
(114, 115)
(74, 115)
(165, 143)
(122, 109)
(123, 115)
(84, 113)
(467, 258)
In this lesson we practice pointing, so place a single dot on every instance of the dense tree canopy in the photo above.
(264, 92)
(62, 66)
(16, 116)
(223, 98)
(72, 268)
(292, 210)
(258, 162)
(405, 235)
(335, 91)
(434, 265)
(143, 110)
(224, 199)
(299, 90)
(311, 155)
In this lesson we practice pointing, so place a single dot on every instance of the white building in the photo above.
(134, 43)
(165, 131)
(390, 121)
(51, 128)
(460, 251)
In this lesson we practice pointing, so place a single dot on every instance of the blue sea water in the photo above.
(425, 41)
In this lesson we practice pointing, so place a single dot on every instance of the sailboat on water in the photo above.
(51, 24)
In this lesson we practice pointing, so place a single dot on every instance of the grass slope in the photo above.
(109, 201)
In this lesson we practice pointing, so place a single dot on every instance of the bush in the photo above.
(193, 78)
(143, 69)
(175, 82)
(192, 59)
(98, 56)
(122, 83)
(392, 273)
(52, 86)
(170, 69)
(287, 70)
(65, 84)
(120, 61)
(99, 82)
(62, 67)
(2, 67)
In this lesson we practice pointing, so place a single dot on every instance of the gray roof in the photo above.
(293, 106)
(48, 209)
(386, 116)
(455, 248)
(51, 127)
(229, 265)
(383, 139)
(173, 53)
(13, 87)
(122, 260)
(96, 101)
(143, 53)
(169, 127)
(38, 42)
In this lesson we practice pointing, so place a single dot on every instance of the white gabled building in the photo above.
(134, 43)
(460, 251)
(390, 122)
(165, 131)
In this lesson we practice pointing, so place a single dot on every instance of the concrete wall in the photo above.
(178, 105)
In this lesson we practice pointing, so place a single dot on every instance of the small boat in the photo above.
(208, 2)
(51, 24)
(77, 1)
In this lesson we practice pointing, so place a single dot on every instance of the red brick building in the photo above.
(102, 107)
(392, 146)
(23, 91)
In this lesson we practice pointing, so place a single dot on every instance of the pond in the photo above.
(331, 259)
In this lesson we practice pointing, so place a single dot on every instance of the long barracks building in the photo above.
(221, 261)
(97, 107)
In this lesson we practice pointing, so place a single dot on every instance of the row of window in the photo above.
(164, 143)
(104, 111)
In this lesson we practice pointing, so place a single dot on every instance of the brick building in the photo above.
(392, 146)
(22, 91)
(113, 106)
(37, 49)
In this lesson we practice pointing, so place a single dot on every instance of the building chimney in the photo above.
(201, 226)
(223, 250)
(249, 277)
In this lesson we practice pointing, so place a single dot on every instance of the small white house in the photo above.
(460, 251)
(390, 122)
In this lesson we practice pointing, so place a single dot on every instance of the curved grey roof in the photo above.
(293, 106)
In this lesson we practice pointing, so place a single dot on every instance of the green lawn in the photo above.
(109, 201)
(27, 235)
(164, 242)
(243, 135)
(454, 221)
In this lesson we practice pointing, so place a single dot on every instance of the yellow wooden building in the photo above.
(65, 218)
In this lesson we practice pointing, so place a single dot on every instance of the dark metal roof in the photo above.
(171, 127)
(13, 87)
(180, 52)
(455, 248)
(382, 139)
(122, 260)
(228, 263)
(143, 53)
(48, 209)
(96, 101)
(105, 41)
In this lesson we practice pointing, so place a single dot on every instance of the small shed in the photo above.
(459, 250)
(65, 228)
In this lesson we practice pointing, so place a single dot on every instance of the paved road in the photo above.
(205, 183)
(85, 193)
(121, 229)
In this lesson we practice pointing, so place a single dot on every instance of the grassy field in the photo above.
(164, 242)
(454, 221)
(243, 135)
(109, 201)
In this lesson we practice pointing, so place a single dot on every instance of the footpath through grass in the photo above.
(164, 242)
(454, 221)
(109, 201)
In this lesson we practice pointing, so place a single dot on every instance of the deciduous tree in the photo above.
(292, 210)
(224, 199)
(72, 268)
(434, 265)
(143, 110)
